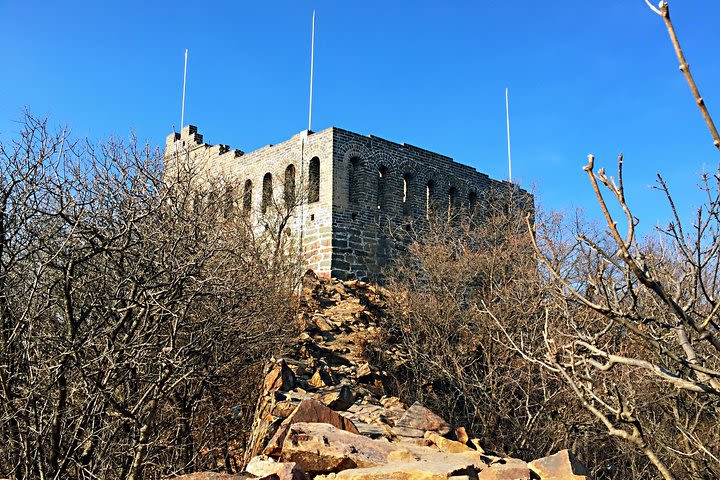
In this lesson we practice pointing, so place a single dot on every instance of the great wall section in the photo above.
(351, 187)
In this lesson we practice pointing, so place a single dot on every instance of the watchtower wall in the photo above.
(379, 184)
(310, 221)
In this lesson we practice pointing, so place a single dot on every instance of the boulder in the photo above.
(264, 467)
(341, 399)
(280, 377)
(323, 377)
(506, 469)
(431, 467)
(215, 476)
(420, 418)
(322, 448)
(447, 445)
(561, 466)
(310, 411)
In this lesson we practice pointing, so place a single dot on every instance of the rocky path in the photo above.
(324, 414)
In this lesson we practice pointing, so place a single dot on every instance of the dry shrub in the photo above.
(134, 312)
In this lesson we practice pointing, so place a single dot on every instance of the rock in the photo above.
(408, 432)
(322, 448)
(421, 418)
(561, 466)
(447, 445)
(323, 377)
(392, 402)
(281, 377)
(214, 476)
(461, 435)
(322, 324)
(311, 411)
(439, 468)
(263, 467)
(339, 400)
(506, 469)
(363, 371)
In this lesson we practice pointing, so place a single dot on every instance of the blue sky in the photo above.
(584, 77)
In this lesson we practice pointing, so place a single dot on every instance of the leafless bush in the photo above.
(441, 345)
(134, 310)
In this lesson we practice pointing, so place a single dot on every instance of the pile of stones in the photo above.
(323, 413)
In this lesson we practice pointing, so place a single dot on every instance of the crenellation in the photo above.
(361, 184)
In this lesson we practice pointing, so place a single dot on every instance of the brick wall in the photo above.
(366, 183)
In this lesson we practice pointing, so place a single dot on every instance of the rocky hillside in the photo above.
(323, 413)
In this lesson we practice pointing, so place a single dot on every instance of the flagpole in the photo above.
(182, 113)
(507, 117)
(312, 67)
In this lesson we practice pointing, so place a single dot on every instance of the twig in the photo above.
(664, 12)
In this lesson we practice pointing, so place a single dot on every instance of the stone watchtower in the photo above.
(351, 185)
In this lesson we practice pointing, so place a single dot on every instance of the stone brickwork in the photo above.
(364, 183)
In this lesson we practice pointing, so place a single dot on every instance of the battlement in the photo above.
(189, 139)
(352, 185)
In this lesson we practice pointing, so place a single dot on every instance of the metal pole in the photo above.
(182, 114)
(312, 67)
(507, 116)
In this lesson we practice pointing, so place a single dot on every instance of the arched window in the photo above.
(289, 190)
(381, 187)
(451, 200)
(266, 192)
(354, 180)
(429, 191)
(247, 197)
(229, 202)
(472, 200)
(314, 180)
(407, 194)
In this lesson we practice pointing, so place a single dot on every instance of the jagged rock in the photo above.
(340, 399)
(322, 324)
(263, 467)
(216, 476)
(322, 448)
(461, 435)
(392, 402)
(281, 377)
(435, 466)
(312, 411)
(363, 371)
(561, 466)
(506, 469)
(421, 418)
(323, 377)
(408, 432)
(447, 445)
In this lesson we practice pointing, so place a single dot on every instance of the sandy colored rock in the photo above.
(215, 476)
(447, 445)
(561, 466)
(341, 399)
(323, 377)
(506, 469)
(322, 448)
(280, 377)
(421, 418)
(461, 435)
(311, 411)
(440, 469)
(264, 467)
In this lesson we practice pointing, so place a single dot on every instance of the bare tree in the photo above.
(631, 326)
(131, 303)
